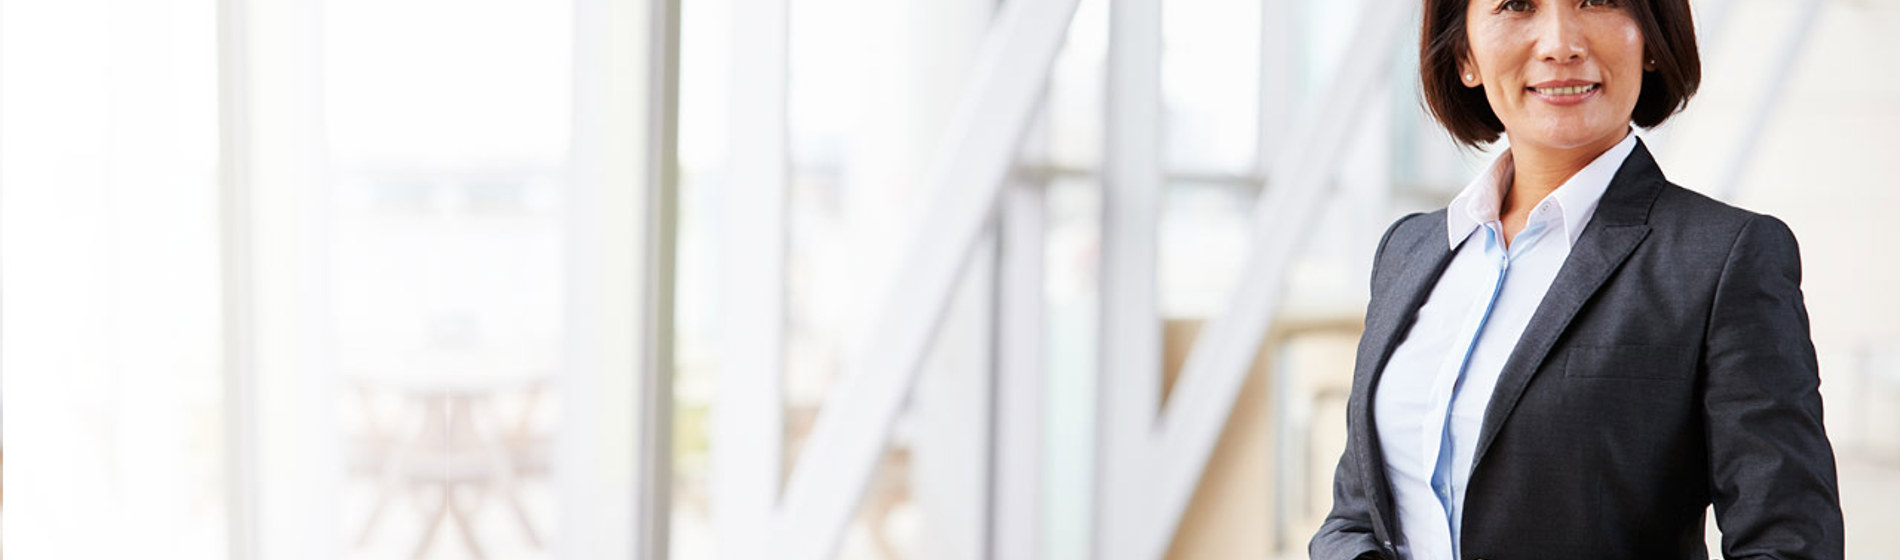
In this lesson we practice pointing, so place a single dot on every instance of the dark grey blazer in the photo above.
(1668, 367)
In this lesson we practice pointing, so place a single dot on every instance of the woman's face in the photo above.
(1558, 73)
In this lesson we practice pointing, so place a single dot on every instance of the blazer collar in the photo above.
(1575, 200)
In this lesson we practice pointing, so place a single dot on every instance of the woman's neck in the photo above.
(1538, 170)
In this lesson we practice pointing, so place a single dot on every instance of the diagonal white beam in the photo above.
(852, 428)
(1211, 379)
(1711, 21)
(1764, 108)
(1711, 24)
(748, 414)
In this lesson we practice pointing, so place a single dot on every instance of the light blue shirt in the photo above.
(1432, 395)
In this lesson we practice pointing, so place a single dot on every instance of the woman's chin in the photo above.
(1565, 133)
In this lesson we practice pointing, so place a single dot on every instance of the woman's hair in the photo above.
(1668, 37)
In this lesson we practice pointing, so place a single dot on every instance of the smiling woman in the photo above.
(1654, 67)
(1576, 358)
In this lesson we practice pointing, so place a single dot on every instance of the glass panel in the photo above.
(1072, 282)
(1073, 287)
(1210, 58)
(450, 224)
(1204, 236)
(109, 264)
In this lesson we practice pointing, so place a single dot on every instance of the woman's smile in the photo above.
(1565, 92)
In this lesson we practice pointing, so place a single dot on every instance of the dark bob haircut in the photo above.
(1668, 38)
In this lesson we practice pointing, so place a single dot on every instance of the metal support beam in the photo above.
(1215, 370)
(851, 430)
(748, 415)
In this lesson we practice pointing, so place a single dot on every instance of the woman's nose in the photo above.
(1560, 38)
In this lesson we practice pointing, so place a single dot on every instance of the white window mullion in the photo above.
(748, 411)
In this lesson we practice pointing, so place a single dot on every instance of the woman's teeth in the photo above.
(1567, 90)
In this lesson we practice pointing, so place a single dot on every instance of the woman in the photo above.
(1576, 357)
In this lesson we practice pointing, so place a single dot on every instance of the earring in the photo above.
(1468, 78)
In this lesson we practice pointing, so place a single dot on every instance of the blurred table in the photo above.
(449, 433)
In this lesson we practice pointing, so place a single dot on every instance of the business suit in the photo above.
(1667, 366)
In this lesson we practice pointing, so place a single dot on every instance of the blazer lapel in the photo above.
(1619, 225)
(1389, 318)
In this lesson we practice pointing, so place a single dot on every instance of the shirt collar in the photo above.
(1572, 203)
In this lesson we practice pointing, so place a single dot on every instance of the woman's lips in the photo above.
(1566, 94)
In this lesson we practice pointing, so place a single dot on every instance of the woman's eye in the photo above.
(1599, 3)
(1519, 6)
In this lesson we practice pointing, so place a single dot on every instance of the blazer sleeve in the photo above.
(1771, 468)
(1347, 532)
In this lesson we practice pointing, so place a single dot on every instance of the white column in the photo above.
(659, 212)
(953, 412)
(1279, 77)
(748, 411)
(287, 185)
(235, 272)
(612, 392)
(1130, 385)
(1016, 503)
